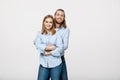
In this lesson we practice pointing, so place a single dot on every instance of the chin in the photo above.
(59, 22)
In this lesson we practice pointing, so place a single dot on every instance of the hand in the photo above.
(47, 53)
(50, 47)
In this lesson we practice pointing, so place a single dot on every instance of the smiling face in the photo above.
(59, 17)
(48, 23)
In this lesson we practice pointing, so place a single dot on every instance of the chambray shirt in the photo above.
(41, 41)
(64, 33)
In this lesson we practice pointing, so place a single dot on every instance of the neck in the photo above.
(58, 25)
(48, 31)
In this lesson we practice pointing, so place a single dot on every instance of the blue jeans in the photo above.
(63, 75)
(54, 73)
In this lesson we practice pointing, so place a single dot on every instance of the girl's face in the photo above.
(48, 23)
(59, 17)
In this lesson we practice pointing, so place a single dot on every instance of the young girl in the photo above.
(50, 61)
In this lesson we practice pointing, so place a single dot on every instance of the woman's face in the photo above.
(48, 23)
(59, 17)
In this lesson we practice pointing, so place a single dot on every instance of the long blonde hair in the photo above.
(52, 30)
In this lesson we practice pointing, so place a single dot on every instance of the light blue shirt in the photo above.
(41, 41)
(64, 33)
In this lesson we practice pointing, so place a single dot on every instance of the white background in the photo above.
(94, 45)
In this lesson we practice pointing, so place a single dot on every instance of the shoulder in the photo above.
(66, 29)
(39, 33)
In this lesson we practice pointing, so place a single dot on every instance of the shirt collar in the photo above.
(59, 28)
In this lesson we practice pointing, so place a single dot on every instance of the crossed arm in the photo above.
(49, 49)
(65, 41)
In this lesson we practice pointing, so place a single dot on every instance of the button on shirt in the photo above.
(41, 41)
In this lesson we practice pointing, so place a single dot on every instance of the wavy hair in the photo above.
(64, 21)
(52, 30)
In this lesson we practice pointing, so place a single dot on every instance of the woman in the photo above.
(50, 61)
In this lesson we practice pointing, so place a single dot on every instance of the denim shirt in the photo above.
(41, 41)
(64, 33)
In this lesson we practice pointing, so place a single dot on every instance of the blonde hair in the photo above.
(52, 30)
